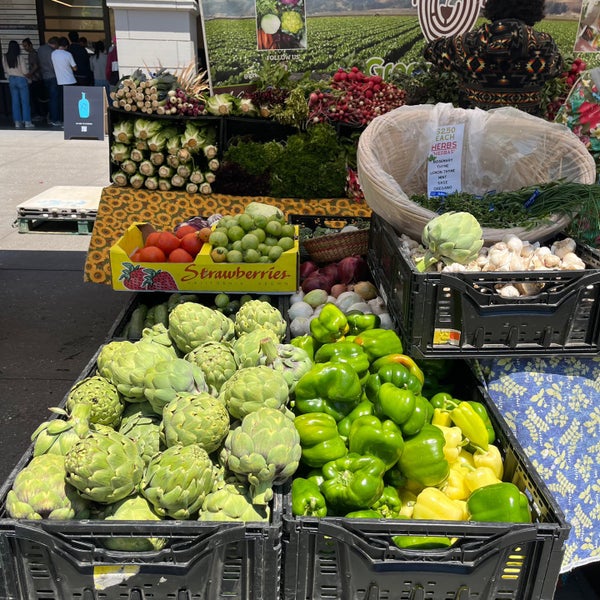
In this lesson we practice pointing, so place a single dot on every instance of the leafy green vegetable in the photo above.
(264, 7)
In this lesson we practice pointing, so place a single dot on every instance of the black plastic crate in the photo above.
(334, 558)
(119, 328)
(461, 315)
(57, 560)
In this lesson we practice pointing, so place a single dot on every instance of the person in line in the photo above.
(505, 62)
(112, 64)
(49, 78)
(83, 75)
(34, 76)
(65, 68)
(16, 69)
(98, 64)
(84, 42)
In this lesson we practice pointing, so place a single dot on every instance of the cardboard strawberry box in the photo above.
(201, 275)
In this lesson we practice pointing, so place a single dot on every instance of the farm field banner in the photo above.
(320, 36)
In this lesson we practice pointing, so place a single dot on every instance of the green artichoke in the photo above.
(259, 313)
(191, 325)
(252, 388)
(248, 346)
(292, 362)
(263, 450)
(177, 481)
(218, 361)
(142, 425)
(58, 436)
(41, 492)
(134, 508)
(167, 378)
(126, 363)
(232, 502)
(105, 466)
(198, 419)
(102, 395)
(453, 237)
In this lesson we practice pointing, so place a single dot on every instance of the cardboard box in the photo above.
(202, 275)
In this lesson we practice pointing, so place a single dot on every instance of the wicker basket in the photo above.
(504, 149)
(335, 246)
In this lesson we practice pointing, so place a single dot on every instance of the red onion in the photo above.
(352, 268)
(317, 281)
(306, 268)
(331, 270)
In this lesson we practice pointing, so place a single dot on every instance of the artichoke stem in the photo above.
(269, 349)
(262, 492)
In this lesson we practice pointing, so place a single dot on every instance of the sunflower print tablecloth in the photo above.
(552, 404)
(121, 207)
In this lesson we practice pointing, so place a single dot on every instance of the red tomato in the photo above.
(180, 255)
(184, 230)
(167, 242)
(135, 257)
(152, 254)
(152, 239)
(191, 242)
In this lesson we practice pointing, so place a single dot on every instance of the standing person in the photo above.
(112, 64)
(98, 64)
(64, 67)
(49, 79)
(34, 76)
(16, 69)
(82, 60)
(504, 62)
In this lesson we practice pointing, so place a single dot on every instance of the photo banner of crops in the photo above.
(381, 36)
(588, 32)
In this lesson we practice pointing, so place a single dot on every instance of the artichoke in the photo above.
(134, 508)
(292, 362)
(263, 450)
(167, 378)
(453, 237)
(102, 395)
(198, 419)
(232, 502)
(248, 346)
(191, 325)
(142, 425)
(259, 313)
(58, 436)
(126, 363)
(218, 361)
(105, 466)
(178, 480)
(41, 492)
(252, 388)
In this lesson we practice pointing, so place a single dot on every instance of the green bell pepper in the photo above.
(369, 435)
(365, 407)
(404, 407)
(307, 343)
(443, 401)
(352, 482)
(367, 513)
(397, 374)
(421, 542)
(499, 503)
(344, 352)
(319, 438)
(389, 504)
(423, 457)
(332, 388)
(307, 499)
(379, 342)
(359, 321)
(399, 359)
(330, 325)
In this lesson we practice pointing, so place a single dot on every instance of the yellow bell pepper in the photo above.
(441, 417)
(455, 487)
(408, 503)
(465, 459)
(432, 503)
(480, 477)
(490, 458)
(453, 439)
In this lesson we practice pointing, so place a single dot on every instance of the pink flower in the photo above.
(589, 113)
(289, 2)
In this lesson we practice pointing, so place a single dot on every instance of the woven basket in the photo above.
(504, 149)
(335, 246)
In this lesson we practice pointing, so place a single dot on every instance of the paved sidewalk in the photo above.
(35, 160)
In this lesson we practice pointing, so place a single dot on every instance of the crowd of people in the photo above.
(36, 78)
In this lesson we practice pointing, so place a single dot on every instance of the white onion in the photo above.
(300, 309)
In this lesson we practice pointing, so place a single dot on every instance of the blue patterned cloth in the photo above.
(552, 404)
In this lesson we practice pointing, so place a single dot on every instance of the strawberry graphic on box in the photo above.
(158, 280)
(132, 276)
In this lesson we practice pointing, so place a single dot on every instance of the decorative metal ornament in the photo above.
(445, 18)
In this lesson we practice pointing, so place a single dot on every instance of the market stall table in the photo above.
(121, 207)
